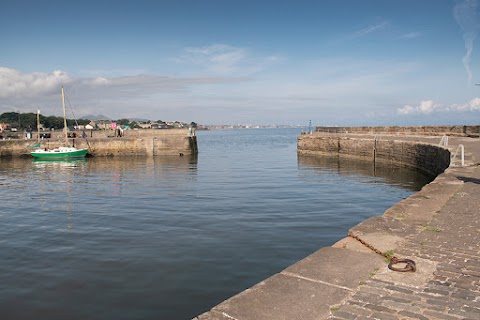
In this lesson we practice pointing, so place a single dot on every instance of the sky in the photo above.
(334, 62)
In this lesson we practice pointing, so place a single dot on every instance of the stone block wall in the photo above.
(427, 158)
(11, 148)
(136, 133)
(139, 143)
(146, 145)
(398, 130)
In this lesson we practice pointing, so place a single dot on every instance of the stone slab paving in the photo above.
(305, 290)
(444, 240)
(439, 228)
(447, 252)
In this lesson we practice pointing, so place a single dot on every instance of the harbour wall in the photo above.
(109, 143)
(406, 130)
(427, 158)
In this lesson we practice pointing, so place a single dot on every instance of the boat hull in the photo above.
(69, 153)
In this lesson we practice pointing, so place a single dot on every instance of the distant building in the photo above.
(177, 124)
(160, 125)
(104, 124)
(145, 125)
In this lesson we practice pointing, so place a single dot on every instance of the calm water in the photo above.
(169, 238)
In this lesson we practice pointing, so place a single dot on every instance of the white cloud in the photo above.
(16, 83)
(425, 107)
(100, 81)
(473, 105)
(410, 35)
(225, 59)
(428, 106)
(370, 29)
(219, 57)
(467, 15)
(407, 110)
(115, 96)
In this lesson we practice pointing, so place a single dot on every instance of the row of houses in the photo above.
(7, 127)
(108, 125)
(163, 125)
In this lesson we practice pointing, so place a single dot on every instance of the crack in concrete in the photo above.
(289, 274)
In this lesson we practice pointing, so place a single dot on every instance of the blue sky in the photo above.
(349, 62)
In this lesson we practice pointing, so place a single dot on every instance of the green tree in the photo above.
(52, 122)
(10, 117)
(28, 121)
(123, 122)
(19, 120)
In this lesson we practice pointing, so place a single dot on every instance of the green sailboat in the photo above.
(65, 152)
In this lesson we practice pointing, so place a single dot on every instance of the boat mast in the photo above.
(38, 125)
(65, 129)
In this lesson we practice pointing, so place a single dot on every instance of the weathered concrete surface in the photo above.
(438, 227)
(144, 146)
(303, 290)
(417, 154)
(405, 130)
(105, 143)
(447, 251)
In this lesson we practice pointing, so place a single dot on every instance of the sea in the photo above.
(171, 237)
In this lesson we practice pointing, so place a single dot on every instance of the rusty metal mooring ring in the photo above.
(410, 265)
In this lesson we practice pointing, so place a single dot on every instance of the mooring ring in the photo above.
(410, 265)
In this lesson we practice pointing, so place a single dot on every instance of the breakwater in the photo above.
(434, 227)
(108, 143)
(425, 157)
(406, 130)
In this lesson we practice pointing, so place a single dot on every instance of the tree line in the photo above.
(28, 121)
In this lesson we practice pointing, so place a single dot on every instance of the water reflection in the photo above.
(71, 186)
(18, 167)
(60, 162)
(56, 180)
(169, 237)
(374, 172)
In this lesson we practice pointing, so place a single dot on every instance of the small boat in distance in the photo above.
(66, 152)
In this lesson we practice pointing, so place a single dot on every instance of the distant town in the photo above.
(12, 123)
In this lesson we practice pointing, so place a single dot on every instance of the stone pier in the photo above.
(438, 228)
(147, 142)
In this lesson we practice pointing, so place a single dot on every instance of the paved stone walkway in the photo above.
(447, 248)
(438, 227)
(444, 240)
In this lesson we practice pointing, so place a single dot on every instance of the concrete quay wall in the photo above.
(145, 146)
(406, 130)
(104, 143)
(136, 133)
(437, 228)
(425, 157)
